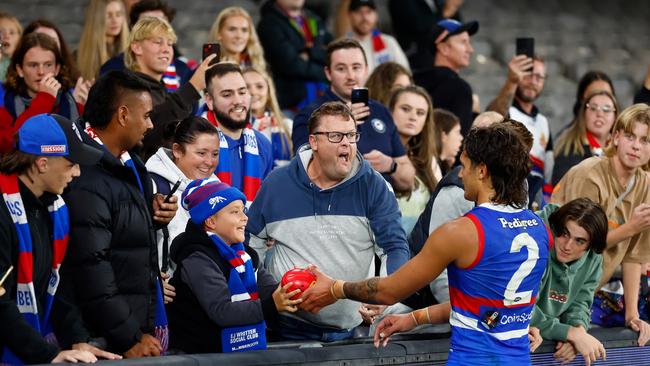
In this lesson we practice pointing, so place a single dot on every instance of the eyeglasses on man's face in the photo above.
(335, 136)
(606, 108)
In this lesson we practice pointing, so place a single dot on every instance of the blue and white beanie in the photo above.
(205, 197)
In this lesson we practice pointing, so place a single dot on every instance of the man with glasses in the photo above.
(330, 208)
(516, 99)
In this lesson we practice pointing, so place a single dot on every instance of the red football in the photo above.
(302, 279)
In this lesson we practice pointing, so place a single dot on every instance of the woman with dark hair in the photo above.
(589, 82)
(587, 135)
(413, 115)
(194, 154)
(385, 79)
(38, 81)
(563, 309)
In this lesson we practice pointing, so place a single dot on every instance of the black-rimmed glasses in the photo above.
(335, 136)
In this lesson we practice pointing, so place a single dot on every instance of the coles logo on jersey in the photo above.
(556, 296)
(378, 125)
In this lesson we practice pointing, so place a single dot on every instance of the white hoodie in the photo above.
(162, 164)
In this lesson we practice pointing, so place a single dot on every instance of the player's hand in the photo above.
(535, 338)
(390, 325)
(147, 347)
(370, 312)
(319, 295)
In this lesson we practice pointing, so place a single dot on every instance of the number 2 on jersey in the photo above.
(511, 297)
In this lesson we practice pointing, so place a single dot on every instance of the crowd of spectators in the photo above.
(154, 202)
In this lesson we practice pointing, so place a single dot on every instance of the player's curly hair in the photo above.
(501, 148)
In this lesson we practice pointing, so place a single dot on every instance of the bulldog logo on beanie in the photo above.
(205, 197)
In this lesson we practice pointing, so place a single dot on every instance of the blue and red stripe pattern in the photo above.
(492, 299)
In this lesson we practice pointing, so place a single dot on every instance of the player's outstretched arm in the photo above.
(456, 241)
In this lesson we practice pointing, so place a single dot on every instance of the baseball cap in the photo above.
(203, 198)
(356, 4)
(449, 27)
(54, 135)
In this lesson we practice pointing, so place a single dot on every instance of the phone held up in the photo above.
(526, 46)
(174, 188)
(212, 48)
(360, 95)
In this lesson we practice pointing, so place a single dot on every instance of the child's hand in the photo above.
(282, 299)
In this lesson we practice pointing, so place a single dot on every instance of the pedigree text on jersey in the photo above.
(517, 223)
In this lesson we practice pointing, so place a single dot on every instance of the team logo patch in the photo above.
(490, 319)
(378, 125)
(215, 200)
(49, 149)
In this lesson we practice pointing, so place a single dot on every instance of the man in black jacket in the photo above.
(33, 230)
(112, 255)
(294, 41)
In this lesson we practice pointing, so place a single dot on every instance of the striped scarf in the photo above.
(242, 284)
(251, 169)
(25, 295)
(170, 78)
(161, 327)
(269, 126)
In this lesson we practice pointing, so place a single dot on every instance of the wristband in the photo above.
(337, 290)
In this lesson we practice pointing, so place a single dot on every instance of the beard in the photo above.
(526, 97)
(229, 123)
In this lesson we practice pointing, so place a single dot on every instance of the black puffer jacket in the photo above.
(112, 254)
(283, 44)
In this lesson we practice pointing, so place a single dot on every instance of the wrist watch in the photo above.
(393, 168)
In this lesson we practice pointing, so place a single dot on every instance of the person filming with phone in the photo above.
(524, 84)
(380, 144)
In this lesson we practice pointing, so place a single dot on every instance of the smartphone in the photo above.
(212, 48)
(526, 46)
(360, 95)
(174, 188)
(5, 275)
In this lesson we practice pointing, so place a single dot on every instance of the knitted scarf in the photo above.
(161, 327)
(170, 78)
(242, 284)
(250, 159)
(26, 299)
(269, 126)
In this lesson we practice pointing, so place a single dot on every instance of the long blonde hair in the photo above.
(571, 141)
(253, 46)
(272, 104)
(93, 50)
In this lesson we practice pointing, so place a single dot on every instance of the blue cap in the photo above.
(453, 27)
(54, 135)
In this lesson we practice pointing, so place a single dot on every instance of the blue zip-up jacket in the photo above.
(339, 229)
